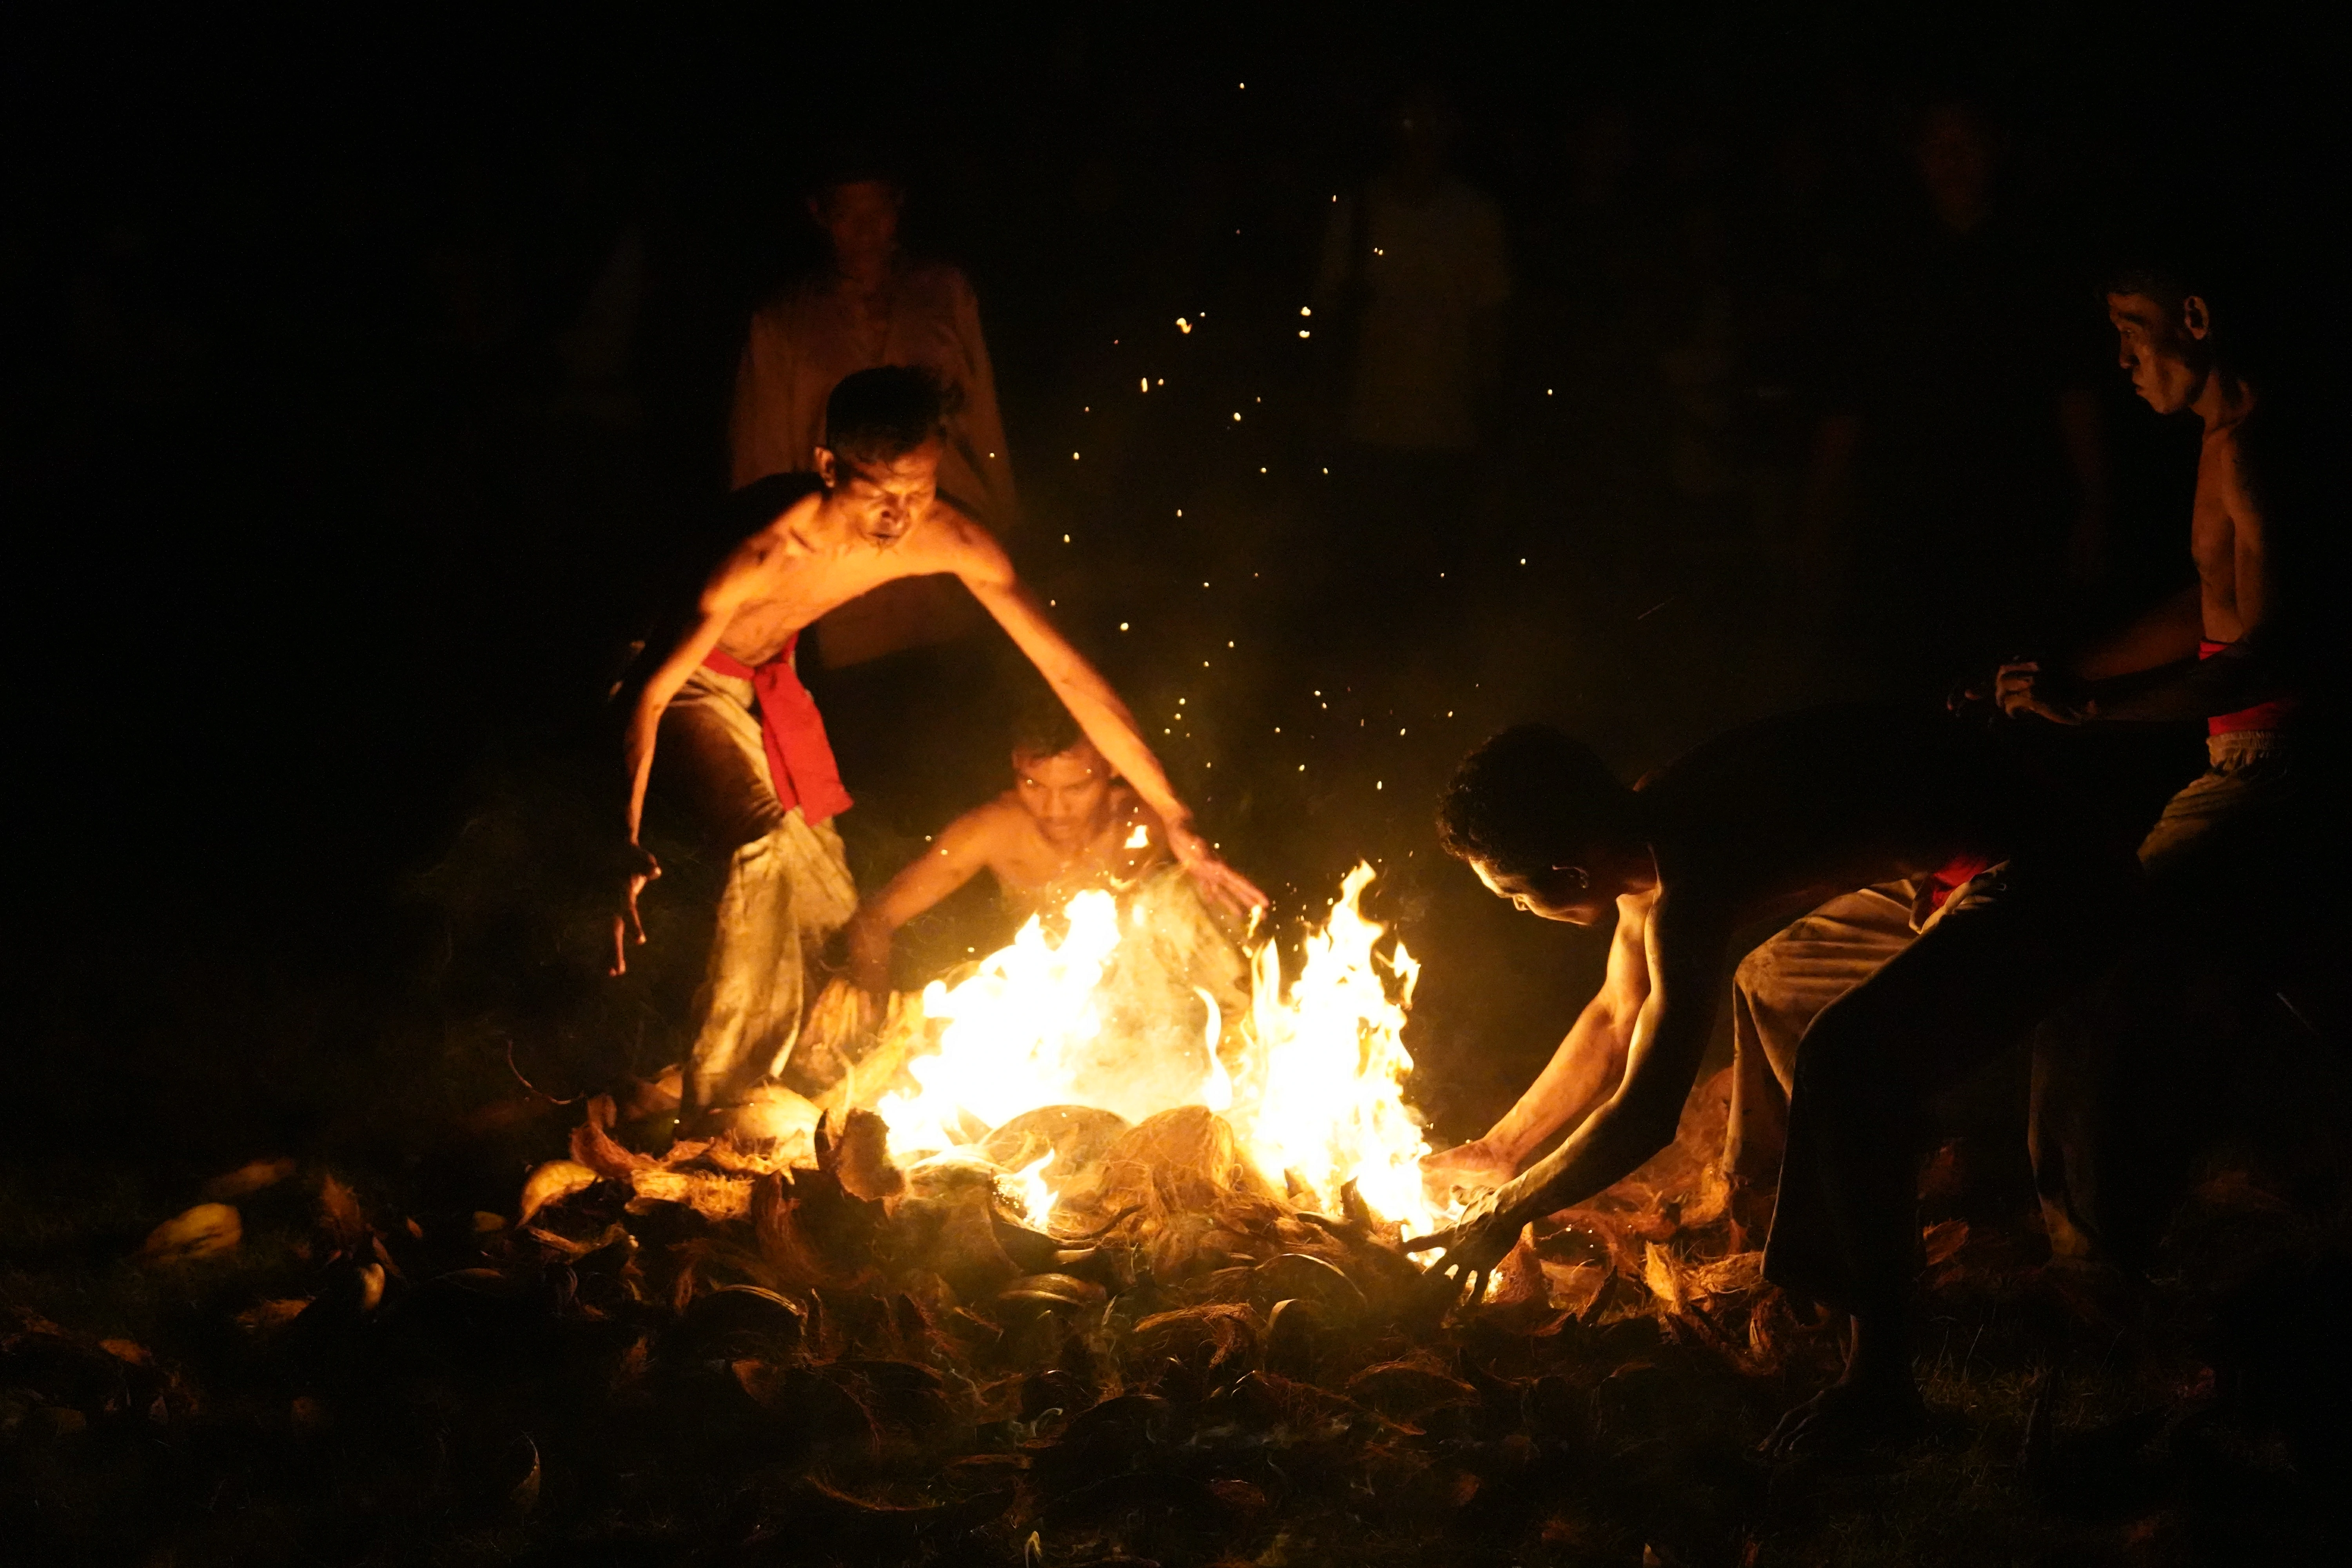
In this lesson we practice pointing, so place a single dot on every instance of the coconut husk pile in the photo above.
(781, 1345)
(1180, 1359)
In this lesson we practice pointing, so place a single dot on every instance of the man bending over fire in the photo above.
(716, 687)
(1761, 824)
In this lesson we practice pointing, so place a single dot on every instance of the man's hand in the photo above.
(637, 867)
(1475, 1167)
(1474, 1246)
(1219, 881)
(2020, 689)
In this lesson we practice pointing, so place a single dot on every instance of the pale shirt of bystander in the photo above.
(799, 347)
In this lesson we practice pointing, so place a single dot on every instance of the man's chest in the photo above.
(2213, 538)
(799, 590)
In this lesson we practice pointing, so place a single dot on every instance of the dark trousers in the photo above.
(2008, 948)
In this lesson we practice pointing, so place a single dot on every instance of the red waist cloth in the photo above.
(800, 759)
(2272, 715)
(1955, 874)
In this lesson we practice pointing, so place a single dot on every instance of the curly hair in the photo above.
(1529, 799)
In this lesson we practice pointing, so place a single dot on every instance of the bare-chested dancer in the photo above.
(1068, 823)
(869, 515)
(1765, 823)
(2236, 859)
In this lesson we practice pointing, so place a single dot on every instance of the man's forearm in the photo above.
(1578, 1076)
(2165, 633)
(636, 762)
(2229, 681)
(1609, 1147)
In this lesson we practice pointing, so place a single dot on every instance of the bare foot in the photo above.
(1847, 1417)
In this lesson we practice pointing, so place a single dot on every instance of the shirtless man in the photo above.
(1068, 823)
(870, 514)
(2236, 853)
(1765, 823)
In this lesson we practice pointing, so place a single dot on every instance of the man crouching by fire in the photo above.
(1762, 823)
(1068, 824)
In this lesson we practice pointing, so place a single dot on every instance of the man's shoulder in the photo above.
(951, 537)
(994, 825)
(751, 509)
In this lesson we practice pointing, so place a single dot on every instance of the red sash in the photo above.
(800, 759)
(1955, 874)
(2272, 715)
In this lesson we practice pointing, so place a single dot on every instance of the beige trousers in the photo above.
(788, 889)
(1778, 990)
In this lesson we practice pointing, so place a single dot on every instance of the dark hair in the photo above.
(877, 416)
(2163, 279)
(1043, 726)
(854, 163)
(2244, 339)
(1529, 799)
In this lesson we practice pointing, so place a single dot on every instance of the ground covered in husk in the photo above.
(853, 1363)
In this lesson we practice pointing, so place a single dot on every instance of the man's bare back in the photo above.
(1763, 823)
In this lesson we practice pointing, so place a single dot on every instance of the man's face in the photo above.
(882, 501)
(1568, 893)
(2164, 350)
(1068, 794)
(861, 221)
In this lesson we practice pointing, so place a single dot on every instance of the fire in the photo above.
(1313, 1088)
(1319, 1101)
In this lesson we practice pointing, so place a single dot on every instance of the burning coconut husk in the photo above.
(1257, 1174)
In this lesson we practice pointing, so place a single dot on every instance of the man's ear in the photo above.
(2195, 319)
(826, 468)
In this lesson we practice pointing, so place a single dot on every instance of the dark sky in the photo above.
(295, 533)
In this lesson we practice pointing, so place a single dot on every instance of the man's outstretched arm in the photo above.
(661, 670)
(1685, 950)
(981, 562)
(1584, 1072)
(960, 851)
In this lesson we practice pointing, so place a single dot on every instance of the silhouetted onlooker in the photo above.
(1959, 399)
(1416, 272)
(872, 305)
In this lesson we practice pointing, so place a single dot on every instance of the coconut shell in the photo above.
(200, 1232)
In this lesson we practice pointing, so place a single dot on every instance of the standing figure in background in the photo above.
(1415, 268)
(872, 305)
(1961, 415)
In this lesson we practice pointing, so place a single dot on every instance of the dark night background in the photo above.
(330, 506)
(360, 367)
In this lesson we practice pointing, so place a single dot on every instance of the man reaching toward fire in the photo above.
(1762, 823)
(1069, 823)
(716, 687)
